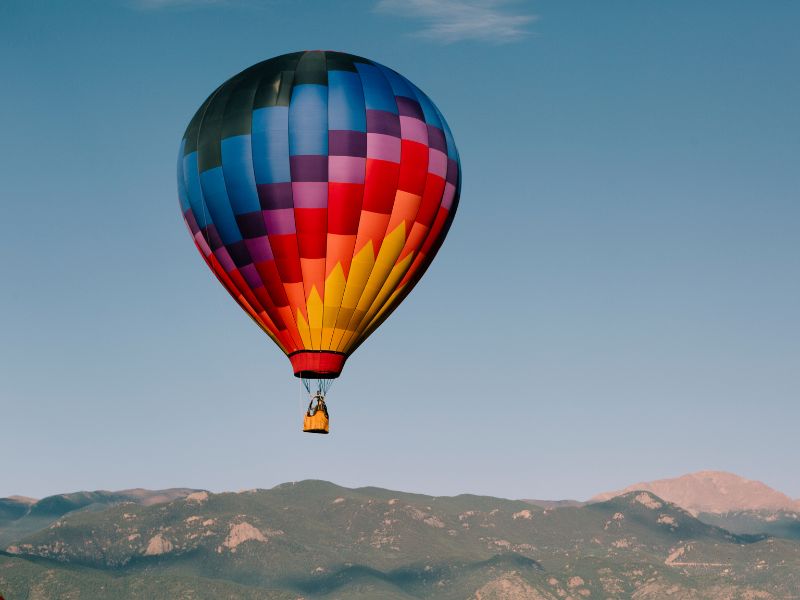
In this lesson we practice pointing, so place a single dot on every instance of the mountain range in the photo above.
(314, 539)
(713, 492)
(737, 504)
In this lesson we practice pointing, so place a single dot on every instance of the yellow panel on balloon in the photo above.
(389, 286)
(305, 331)
(360, 269)
(390, 250)
(334, 290)
(315, 318)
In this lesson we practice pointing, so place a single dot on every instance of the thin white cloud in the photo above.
(449, 21)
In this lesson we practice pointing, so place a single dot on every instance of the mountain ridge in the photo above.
(315, 539)
(20, 515)
(712, 492)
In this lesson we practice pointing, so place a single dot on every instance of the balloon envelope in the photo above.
(318, 186)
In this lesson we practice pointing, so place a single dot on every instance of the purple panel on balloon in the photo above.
(224, 259)
(275, 195)
(449, 194)
(347, 143)
(191, 222)
(383, 147)
(310, 194)
(409, 108)
(379, 121)
(259, 248)
(251, 225)
(414, 130)
(309, 167)
(346, 169)
(437, 163)
(279, 222)
(251, 276)
(436, 139)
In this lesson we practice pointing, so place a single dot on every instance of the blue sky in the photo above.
(617, 300)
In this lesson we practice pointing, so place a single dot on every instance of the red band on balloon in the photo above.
(317, 364)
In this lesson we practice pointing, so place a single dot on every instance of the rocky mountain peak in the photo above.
(712, 492)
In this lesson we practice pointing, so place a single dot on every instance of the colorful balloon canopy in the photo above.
(318, 186)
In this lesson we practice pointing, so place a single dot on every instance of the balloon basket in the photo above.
(316, 419)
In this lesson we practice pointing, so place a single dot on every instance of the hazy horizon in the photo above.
(616, 301)
(354, 486)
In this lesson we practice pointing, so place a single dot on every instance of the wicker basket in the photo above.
(316, 419)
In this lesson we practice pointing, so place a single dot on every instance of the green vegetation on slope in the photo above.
(317, 540)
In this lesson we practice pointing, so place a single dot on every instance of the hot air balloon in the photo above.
(318, 187)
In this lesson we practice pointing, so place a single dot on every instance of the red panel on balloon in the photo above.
(322, 365)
